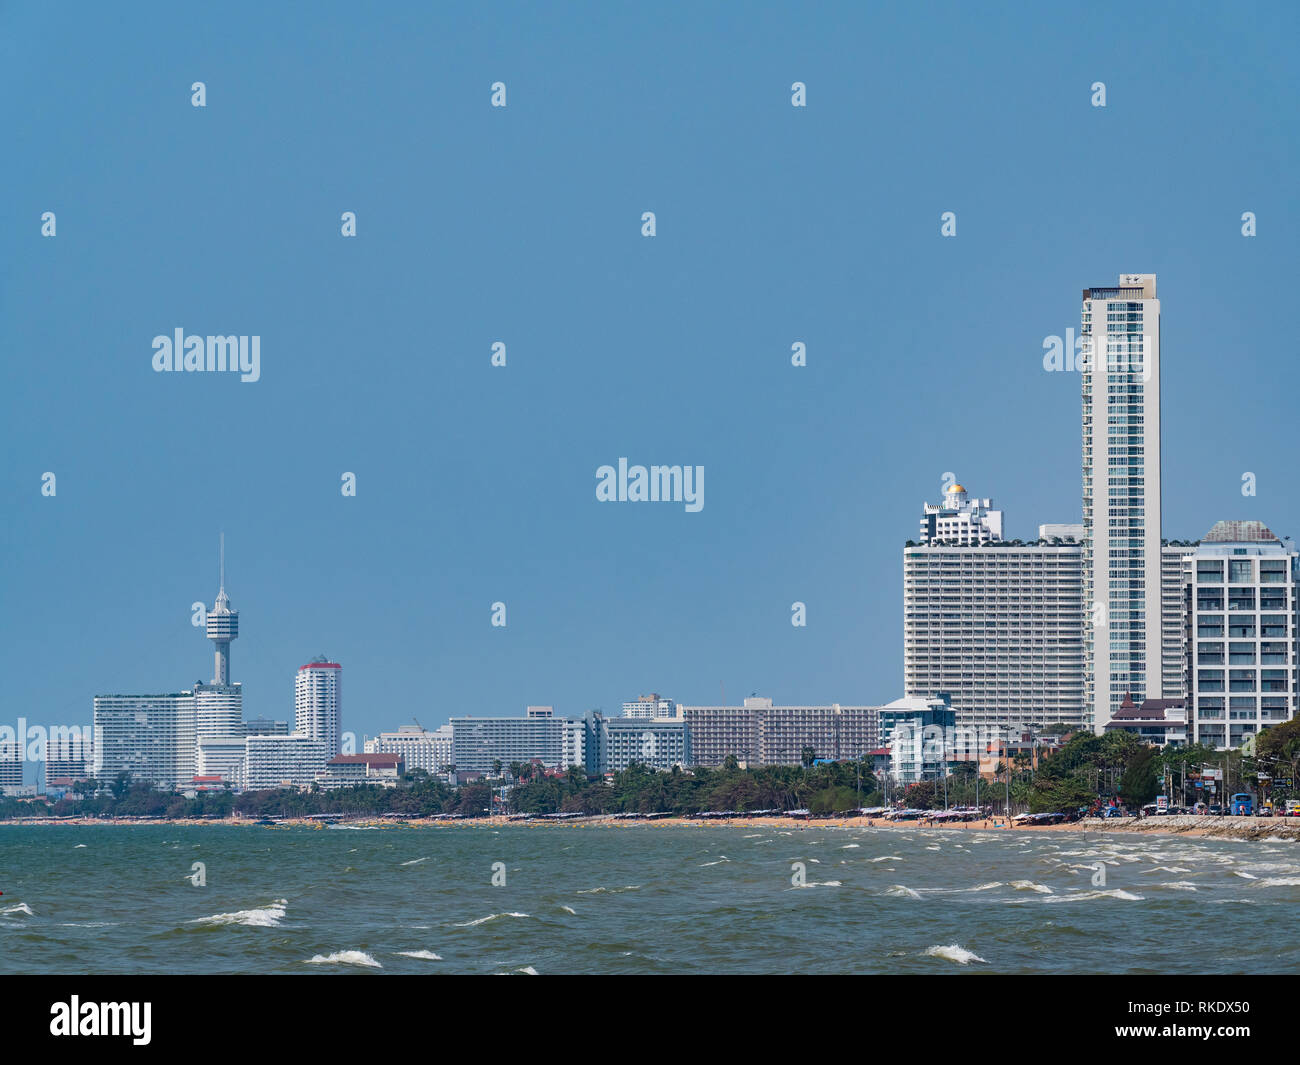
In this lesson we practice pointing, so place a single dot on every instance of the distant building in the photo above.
(919, 733)
(1159, 722)
(150, 737)
(293, 761)
(760, 733)
(225, 757)
(345, 770)
(652, 707)
(317, 702)
(478, 742)
(1242, 584)
(615, 743)
(72, 757)
(419, 747)
(218, 711)
(261, 726)
(959, 520)
(1120, 465)
(1001, 628)
(11, 767)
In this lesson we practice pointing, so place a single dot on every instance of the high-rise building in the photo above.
(317, 698)
(477, 743)
(11, 766)
(959, 520)
(652, 707)
(218, 711)
(759, 733)
(1120, 362)
(615, 743)
(151, 737)
(999, 628)
(69, 757)
(1174, 562)
(1242, 633)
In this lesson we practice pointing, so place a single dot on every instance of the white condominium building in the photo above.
(293, 761)
(317, 702)
(1120, 335)
(477, 743)
(419, 747)
(1243, 633)
(999, 629)
(652, 707)
(960, 520)
(152, 737)
(759, 733)
(615, 743)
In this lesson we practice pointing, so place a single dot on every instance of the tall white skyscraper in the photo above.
(317, 700)
(1120, 357)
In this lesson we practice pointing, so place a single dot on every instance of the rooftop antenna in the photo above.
(223, 561)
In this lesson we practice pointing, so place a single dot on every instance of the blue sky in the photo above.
(522, 225)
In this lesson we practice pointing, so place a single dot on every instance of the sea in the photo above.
(653, 898)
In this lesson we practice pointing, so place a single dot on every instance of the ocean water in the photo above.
(640, 899)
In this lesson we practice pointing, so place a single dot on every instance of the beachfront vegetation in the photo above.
(820, 789)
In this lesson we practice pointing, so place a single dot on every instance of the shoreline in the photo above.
(1238, 828)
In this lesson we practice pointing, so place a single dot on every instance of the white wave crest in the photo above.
(345, 957)
(267, 917)
(953, 952)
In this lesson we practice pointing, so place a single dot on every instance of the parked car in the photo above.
(1215, 809)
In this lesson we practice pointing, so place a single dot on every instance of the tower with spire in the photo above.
(223, 625)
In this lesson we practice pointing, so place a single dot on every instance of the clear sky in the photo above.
(476, 224)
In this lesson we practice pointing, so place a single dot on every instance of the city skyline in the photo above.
(474, 489)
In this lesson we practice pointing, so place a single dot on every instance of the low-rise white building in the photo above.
(347, 770)
(225, 757)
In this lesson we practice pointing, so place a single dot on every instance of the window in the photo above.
(1209, 680)
(1241, 571)
(1241, 680)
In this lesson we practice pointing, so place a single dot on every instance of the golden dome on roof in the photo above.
(956, 488)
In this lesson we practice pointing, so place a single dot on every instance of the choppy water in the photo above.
(629, 899)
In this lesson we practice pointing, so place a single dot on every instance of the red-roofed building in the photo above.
(344, 770)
